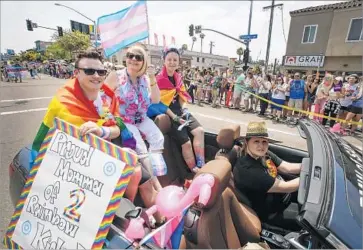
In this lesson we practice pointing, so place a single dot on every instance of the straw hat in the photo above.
(258, 129)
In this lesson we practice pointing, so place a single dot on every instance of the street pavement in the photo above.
(23, 105)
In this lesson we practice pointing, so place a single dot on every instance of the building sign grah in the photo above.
(304, 61)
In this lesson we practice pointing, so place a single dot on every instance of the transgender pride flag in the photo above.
(168, 236)
(120, 29)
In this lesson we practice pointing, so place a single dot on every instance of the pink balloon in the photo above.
(135, 229)
(172, 200)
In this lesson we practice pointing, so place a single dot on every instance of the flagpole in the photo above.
(148, 25)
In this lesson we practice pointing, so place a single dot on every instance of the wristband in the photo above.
(176, 119)
(103, 132)
(106, 132)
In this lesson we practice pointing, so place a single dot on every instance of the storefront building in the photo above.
(326, 38)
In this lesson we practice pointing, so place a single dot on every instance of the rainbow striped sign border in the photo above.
(128, 158)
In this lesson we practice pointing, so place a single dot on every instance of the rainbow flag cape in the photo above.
(168, 91)
(71, 105)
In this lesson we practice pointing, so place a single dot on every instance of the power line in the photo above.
(271, 7)
(282, 22)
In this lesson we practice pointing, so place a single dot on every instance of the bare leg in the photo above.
(356, 119)
(133, 185)
(237, 102)
(198, 145)
(146, 163)
(347, 119)
(188, 154)
(148, 195)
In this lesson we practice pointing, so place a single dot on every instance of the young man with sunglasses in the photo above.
(88, 103)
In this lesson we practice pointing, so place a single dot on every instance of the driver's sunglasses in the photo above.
(137, 57)
(90, 72)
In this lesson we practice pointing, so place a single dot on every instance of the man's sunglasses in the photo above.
(90, 72)
(137, 57)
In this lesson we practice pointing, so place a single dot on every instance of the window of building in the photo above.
(203, 60)
(309, 34)
(197, 59)
(355, 31)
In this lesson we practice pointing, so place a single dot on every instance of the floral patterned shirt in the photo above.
(134, 101)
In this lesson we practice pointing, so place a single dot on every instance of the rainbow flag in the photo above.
(121, 29)
(71, 105)
(167, 92)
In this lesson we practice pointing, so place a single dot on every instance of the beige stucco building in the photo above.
(188, 58)
(328, 37)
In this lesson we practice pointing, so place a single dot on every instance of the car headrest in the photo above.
(235, 153)
(163, 122)
(221, 170)
(227, 136)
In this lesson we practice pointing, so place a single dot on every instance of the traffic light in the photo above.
(191, 30)
(29, 25)
(60, 31)
(198, 29)
(246, 55)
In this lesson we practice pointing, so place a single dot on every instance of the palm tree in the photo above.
(240, 53)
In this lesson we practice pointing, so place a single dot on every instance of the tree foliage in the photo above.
(64, 46)
(257, 69)
(73, 41)
(30, 56)
(55, 51)
(239, 53)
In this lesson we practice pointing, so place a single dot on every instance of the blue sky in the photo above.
(171, 18)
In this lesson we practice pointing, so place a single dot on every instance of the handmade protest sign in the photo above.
(72, 192)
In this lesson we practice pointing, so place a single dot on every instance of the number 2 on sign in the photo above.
(71, 212)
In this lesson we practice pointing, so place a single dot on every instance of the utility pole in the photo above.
(272, 8)
(274, 70)
(211, 44)
(249, 33)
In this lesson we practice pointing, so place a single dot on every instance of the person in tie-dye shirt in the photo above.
(136, 88)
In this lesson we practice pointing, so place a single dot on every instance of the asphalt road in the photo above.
(23, 105)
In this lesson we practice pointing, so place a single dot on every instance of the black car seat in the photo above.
(224, 222)
(227, 140)
(177, 168)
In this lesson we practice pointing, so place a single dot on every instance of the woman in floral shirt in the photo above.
(135, 92)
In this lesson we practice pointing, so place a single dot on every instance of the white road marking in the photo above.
(27, 99)
(196, 113)
(22, 111)
(242, 123)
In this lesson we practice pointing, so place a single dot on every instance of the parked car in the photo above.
(330, 195)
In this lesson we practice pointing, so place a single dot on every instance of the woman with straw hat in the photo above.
(257, 176)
